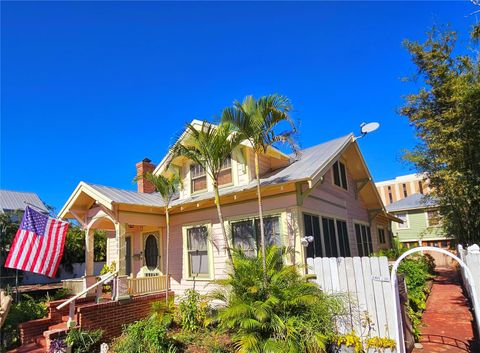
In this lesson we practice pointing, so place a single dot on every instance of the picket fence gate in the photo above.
(364, 284)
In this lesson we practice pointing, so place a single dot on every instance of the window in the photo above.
(364, 239)
(433, 218)
(197, 249)
(343, 238)
(405, 193)
(381, 236)
(340, 175)
(420, 187)
(404, 218)
(198, 177)
(225, 175)
(335, 237)
(312, 228)
(151, 252)
(390, 195)
(246, 234)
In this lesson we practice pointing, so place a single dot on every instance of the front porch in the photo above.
(134, 245)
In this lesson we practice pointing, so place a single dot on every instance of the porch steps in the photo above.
(39, 346)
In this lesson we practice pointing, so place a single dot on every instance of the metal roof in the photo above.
(17, 201)
(411, 202)
(309, 161)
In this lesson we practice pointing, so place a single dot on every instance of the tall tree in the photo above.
(446, 115)
(210, 146)
(257, 120)
(167, 187)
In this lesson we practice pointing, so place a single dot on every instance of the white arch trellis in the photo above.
(396, 296)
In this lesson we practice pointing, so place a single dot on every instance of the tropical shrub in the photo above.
(287, 314)
(192, 311)
(84, 341)
(145, 336)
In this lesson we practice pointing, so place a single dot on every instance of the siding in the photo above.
(417, 220)
(331, 201)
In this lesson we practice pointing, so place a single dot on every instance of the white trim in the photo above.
(405, 224)
(210, 254)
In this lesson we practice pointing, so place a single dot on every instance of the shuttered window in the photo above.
(198, 178)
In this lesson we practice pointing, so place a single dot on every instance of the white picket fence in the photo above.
(471, 257)
(364, 284)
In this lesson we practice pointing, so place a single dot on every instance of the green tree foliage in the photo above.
(446, 115)
(259, 121)
(289, 314)
(74, 248)
(210, 146)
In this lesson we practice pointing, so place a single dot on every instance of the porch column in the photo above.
(120, 229)
(89, 249)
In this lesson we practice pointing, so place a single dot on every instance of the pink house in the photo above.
(324, 198)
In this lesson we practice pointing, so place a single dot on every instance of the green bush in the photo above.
(84, 341)
(192, 311)
(418, 271)
(289, 314)
(27, 309)
(145, 336)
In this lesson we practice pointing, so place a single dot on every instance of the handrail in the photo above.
(103, 280)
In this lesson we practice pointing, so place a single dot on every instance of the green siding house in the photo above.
(421, 222)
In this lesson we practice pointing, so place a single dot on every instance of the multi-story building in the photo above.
(401, 187)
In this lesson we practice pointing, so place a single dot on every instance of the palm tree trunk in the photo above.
(222, 225)
(167, 263)
(260, 213)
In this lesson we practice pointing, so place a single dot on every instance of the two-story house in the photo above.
(326, 192)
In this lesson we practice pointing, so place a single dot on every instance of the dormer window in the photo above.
(225, 175)
(340, 175)
(198, 178)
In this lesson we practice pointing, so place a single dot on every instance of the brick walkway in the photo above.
(447, 318)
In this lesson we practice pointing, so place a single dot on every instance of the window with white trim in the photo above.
(197, 250)
(340, 175)
(364, 239)
(198, 178)
(246, 233)
(403, 216)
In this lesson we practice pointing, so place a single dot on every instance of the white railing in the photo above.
(145, 285)
(97, 285)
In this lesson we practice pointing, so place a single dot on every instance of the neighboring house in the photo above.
(401, 187)
(326, 193)
(421, 222)
(14, 203)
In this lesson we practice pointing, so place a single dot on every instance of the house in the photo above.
(326, 193)
(402, 186)
(14, 203)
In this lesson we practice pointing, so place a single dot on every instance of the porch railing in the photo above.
(98, 286)
(145, 285)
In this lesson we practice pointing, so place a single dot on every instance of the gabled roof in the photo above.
(414, 201)
(17, 201)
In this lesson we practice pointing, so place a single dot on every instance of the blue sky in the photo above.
(90, 88)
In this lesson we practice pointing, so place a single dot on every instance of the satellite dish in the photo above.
(366, 128)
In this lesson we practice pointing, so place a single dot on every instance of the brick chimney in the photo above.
(143, 167)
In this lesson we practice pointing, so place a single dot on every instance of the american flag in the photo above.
(38, 244)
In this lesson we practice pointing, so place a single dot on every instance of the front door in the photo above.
(152, 255)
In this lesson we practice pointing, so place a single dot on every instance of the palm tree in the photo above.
(210, 146)
(167, 187)
(256, 121)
